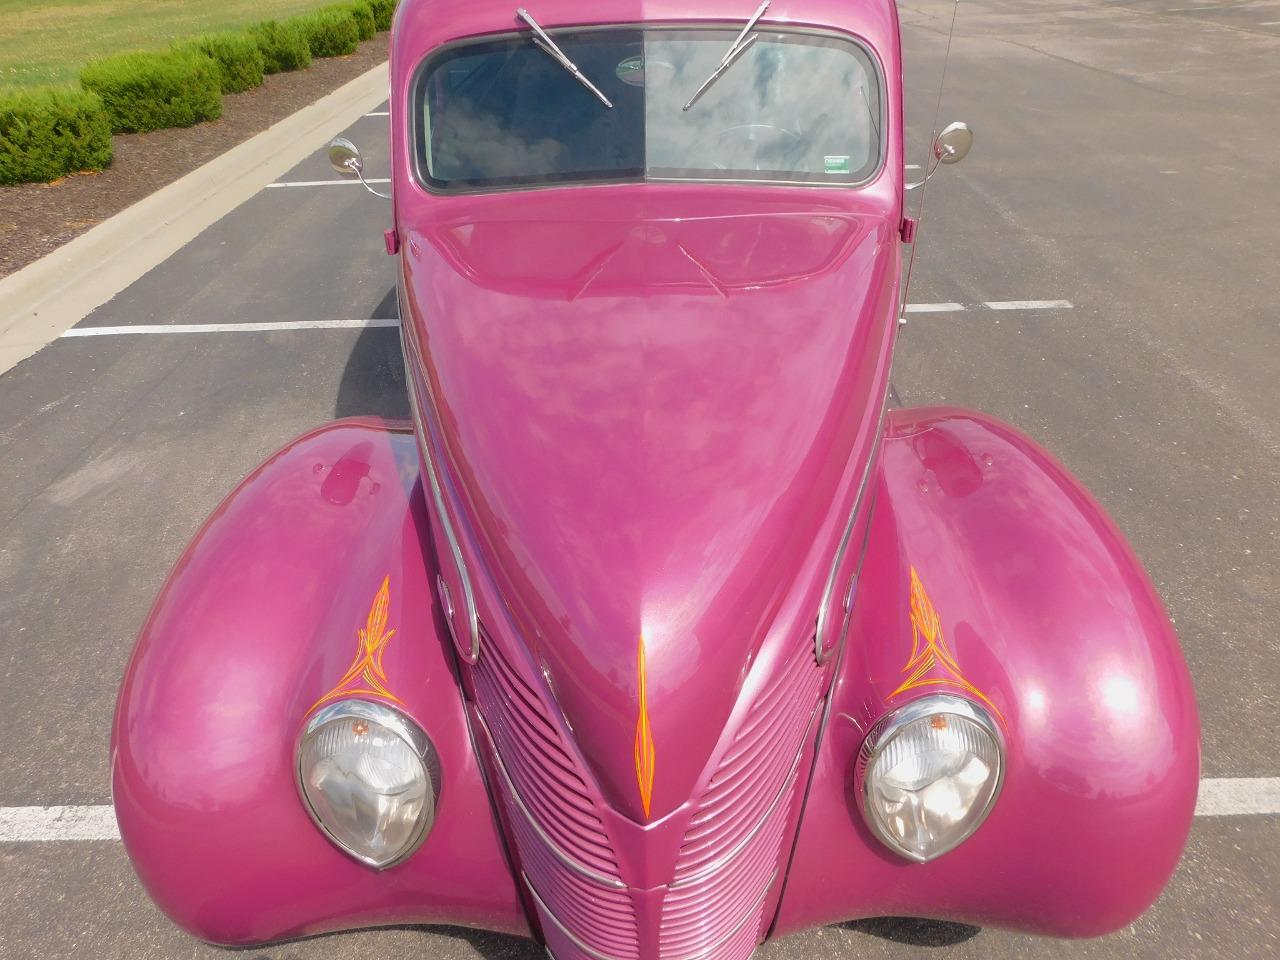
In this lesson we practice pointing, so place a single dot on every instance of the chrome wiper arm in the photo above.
(736, 50)
(546, 44)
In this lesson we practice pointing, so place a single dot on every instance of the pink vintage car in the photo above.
(654, 634)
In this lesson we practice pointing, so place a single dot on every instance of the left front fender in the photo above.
(1045, 616)
(255, 628)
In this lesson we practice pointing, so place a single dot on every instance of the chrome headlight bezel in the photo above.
(401, 726)
(890, 726)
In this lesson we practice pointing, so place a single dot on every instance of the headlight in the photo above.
(930, 773)
(365, 780)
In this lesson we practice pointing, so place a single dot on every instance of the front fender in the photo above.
(257, 622)
(1046, 615)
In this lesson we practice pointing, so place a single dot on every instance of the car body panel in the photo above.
(593, 424)
(1053, 623)
(257, 623)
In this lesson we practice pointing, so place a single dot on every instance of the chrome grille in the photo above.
(565, 854)
(731, 852)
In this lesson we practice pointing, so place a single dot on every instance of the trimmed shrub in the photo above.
(331, 32)
(46, 134)
(362, 13)
(383, 12)
(240, 62)
(150, 91)
(283, 45)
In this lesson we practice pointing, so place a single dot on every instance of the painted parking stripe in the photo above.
(378, 113)
(1028, 304)
(34, 824)
(143, 328)
(935, 307)
(325, 183)
(265, 327)
(1233, 797)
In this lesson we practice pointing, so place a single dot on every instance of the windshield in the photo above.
(794, 107)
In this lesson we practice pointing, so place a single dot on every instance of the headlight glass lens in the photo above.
(363, 776)
(931, 774)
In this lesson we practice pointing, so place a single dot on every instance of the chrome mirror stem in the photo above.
(355, 167)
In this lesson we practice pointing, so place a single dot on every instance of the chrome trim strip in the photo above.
(887, 727)
(828, 595)
(403, 727)
(569, 934)
(560, 854)
(410, 351)
(725, 859)
(740, 924)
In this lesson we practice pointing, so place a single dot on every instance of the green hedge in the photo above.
(284, 46)
(149, 91)
(46, 134)
(362, 13)
(383, 12)
(240, 62)
(330, 32)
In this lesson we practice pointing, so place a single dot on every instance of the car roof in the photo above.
(422, 25)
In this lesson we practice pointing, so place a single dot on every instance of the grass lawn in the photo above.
(48, 41)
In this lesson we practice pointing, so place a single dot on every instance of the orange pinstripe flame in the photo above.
(644, 738)
(931, 663)
(366, 676)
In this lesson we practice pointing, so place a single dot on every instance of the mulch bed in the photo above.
(36, 218)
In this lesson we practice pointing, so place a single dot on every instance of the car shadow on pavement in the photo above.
(373, 379)
(914, 931)
(488, 945)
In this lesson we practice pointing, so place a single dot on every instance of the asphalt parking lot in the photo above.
(1120, 204)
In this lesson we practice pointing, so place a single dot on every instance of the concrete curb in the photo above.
(59, 290)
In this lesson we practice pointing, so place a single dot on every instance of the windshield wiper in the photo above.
(549, 46)
(739, 47)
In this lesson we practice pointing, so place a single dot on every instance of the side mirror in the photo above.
(344, 157)
(952, 145)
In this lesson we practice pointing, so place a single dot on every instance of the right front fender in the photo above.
(1036, 608)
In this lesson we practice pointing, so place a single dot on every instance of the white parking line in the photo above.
(1202, 9)
(265, 327)
(1231, 797)
(379, 113)
(935, 307)
(325, 183)
(1029, 304)
(228, 327)
(33, 824)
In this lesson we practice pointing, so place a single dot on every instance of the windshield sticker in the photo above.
(836, 164)
(631, 71)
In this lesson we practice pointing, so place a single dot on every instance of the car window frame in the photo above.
(416, 120)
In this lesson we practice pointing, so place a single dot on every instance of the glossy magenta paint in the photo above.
(640, 326)
(1048, 612)
(652, 410)
(257, 621)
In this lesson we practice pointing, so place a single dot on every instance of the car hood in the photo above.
(648, 417)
